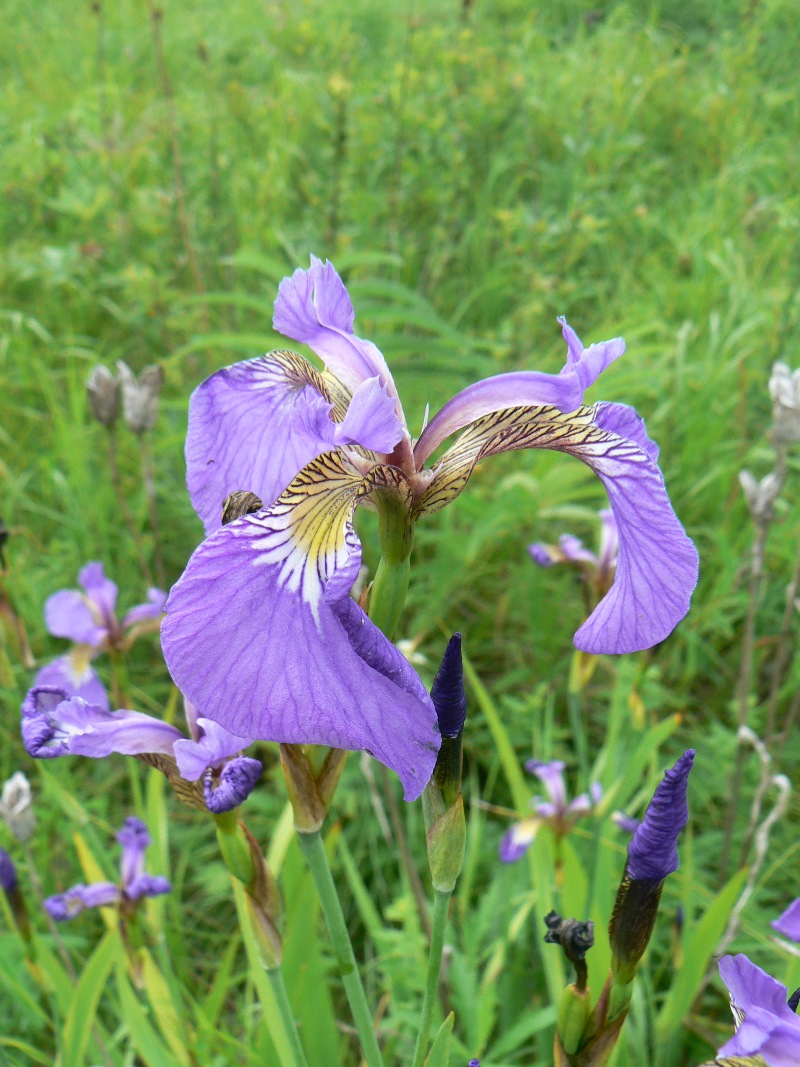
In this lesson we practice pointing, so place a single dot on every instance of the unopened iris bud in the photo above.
(140, 396)
(442, 803)
(103, 390)
(652, 855)
(10, 886)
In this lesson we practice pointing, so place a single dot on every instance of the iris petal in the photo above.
(67, 614)
(263, 638)
(253, 426)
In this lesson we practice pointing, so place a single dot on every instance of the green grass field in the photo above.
(473, 170)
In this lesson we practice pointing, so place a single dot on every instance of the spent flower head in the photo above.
(140, 396)
(104, 392)
(784, 388)
(16, 807)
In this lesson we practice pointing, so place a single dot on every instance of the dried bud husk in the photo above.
(784, 388)
(140, 396)
(308, 805)
(104, 391)
(16, 807)
(238, 504)
(760, 496)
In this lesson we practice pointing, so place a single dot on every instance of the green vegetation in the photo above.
(473, 170)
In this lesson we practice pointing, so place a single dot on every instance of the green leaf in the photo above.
(439, 1055)
(82, 1011)
(699, 943)
(169, 1021)
(141, 1034)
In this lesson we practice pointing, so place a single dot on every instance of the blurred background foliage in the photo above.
(473, 169)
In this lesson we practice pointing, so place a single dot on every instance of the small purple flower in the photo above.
(557, 812)
(134, 882)
(89, 620)
(56, 724)
(600, 567)
(653, 851)
(765, 1025)
(626, 822)
(788, 923)
(310, 667)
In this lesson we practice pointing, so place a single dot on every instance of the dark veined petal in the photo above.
(314, 307)
(253, 426)
(563, 391)
(657, 565)
(653, 850)
(262, 635)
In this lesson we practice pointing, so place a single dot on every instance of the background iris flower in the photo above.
(766, 1025)
(261, 633)
(88, 619)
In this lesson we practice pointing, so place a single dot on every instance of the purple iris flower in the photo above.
(765, 1025)
(599, 568)
(89, 620)
(556, 812)
(57, 724)
(788, 923)
(134, 883)
(261, 632)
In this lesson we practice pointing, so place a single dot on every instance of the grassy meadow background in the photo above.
(473, 170)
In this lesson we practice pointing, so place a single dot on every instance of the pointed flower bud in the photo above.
(8, 873)
(784, 388)
(103, 390)
(447, 693)
(652, 855)
(140, 396)
(16, 807)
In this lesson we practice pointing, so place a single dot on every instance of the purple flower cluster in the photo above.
(134, 882)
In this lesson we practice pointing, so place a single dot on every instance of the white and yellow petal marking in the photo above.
(306, 529)
(77, 664)
(737, 1061)
(506, 431)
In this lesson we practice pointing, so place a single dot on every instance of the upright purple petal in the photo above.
(214, 745)
(54, 724)
(153, 609)
(101, 591)
(262, 637)
(371, 419)
(551, 775)
(788, 923)
(235, 784)
(653, 850)
(134, 839)
(253, 426)
(74, 675)
(67, 614)
(521, 388)
(313, 307)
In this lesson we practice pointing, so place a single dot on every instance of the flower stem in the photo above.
(441, 903)
(314, 852)
(287, 1017)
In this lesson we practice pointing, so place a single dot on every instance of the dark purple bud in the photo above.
(236, 783)
(447, 692)
(653, 851)
(8, 873)
(474, 1063)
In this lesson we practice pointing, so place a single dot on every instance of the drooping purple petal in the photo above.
(214, 745)
(518, 839)
(74, 675)
(147, 885)
(653, 850)
(765, 1025)
(573, 550)
(788, 923)
(67, 905)
(253, 426)
(544, 555)
(54, 724)
(262, 637)
(447, 692)
(67, 614)
(153, 609)
(235, 784)
(313, 307)
(101, 591)
(529, 388)
(134, 839)
(371, 419)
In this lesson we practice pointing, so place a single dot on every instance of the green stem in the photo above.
(287, 1018)
(314, 851)
(441, 905)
